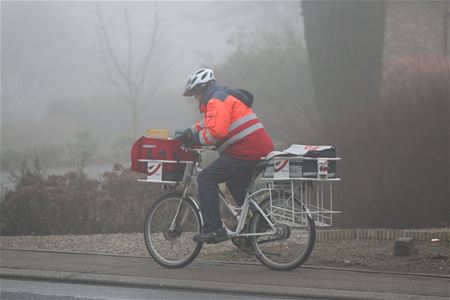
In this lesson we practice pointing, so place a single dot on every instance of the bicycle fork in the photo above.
(181, 214)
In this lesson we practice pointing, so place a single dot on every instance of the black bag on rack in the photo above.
(309, 168)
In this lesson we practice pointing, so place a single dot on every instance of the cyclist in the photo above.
(233, 128)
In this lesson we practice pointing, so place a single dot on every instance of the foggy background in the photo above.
(369, 77)
(54, 79)
(55, 86)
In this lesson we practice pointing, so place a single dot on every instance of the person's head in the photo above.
(197, 83)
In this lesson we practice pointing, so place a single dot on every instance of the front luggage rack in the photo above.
(156, 171)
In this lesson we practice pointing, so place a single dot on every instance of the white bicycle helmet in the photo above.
(199, 77)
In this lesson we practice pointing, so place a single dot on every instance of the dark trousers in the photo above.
(236, 173)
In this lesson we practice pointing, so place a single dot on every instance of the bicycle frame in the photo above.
(191, 180)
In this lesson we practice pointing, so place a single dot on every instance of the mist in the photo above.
(369, 77)
(54, 79)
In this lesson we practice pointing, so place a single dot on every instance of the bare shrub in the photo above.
(396, 149)
(75, 204)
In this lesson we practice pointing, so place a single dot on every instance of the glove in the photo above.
(186, 137)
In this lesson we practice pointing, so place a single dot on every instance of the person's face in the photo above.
(197, 94)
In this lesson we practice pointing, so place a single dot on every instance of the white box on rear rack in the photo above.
(299, 186)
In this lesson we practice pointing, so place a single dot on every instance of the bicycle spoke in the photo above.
(169, 231)
(288, 246)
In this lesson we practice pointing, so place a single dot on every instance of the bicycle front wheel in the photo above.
(170, 226)
(288, 245)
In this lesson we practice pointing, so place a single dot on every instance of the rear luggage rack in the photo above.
(299, 189)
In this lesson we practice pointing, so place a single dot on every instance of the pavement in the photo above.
(248, 278)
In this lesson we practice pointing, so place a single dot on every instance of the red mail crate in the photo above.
(160, 150)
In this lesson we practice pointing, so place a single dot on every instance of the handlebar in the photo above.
(199, 149)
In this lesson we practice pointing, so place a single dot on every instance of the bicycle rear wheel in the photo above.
(288, 246)
(170, 226)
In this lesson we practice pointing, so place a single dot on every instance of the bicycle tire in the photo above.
(304, 249)
(173, 253)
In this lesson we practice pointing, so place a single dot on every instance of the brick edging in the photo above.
(442, 234)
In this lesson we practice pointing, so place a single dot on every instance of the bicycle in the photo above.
(280, 228)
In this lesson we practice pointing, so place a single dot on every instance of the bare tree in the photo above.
(127, 73)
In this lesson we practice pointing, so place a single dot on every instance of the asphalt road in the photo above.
(40, 290)
(221, 277)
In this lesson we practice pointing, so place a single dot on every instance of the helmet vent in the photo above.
(199, 77)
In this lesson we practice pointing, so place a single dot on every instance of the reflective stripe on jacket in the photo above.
(232, 127)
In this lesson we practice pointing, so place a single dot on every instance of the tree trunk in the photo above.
(345, 41)
(134, 119)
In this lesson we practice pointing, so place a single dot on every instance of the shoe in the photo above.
(214, 237)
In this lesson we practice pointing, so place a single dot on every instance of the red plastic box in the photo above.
(145, 149)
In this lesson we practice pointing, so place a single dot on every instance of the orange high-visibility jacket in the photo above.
(231, 126)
